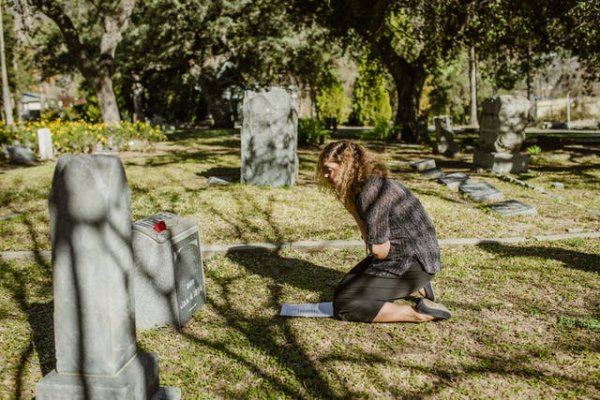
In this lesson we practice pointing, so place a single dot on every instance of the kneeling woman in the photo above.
(403, 250)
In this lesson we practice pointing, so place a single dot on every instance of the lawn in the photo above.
(526, 317)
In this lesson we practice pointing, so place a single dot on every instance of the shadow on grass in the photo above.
(18, 282)
(570, 258)
(263, 334)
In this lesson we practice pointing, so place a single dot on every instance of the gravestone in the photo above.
(501, 134)
(169, 278)
(433, 173)
(480, 191)
(444, 136)
(269, 138)
(423, 165)
(45, 147)
(454, 180)
(19, 154)
(512, 207)
(94, 320)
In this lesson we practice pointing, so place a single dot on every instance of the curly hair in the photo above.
(356, 165)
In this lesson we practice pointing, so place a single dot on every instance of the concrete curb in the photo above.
(313, 245)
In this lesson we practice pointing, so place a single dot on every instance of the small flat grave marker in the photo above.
(480, 191)
(432, 173)
(454, 180)
(512, 207)
(423, 165)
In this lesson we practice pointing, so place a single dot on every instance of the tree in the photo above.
(6, 99)
(407, 37)
(332, 104)
(187, 70)
(91, 32)
(371, 101)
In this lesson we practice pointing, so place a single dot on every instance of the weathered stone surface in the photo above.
(512, 207)
(502, 163)
(269, 138)
(45, 147)
(502, 123)
(91, 253)
(19, 154)
(454, 180)
(169, 278)
(215, 180)
(137, 380)
(480, 191)
(423, 165)
(444, 136)
(94, 321)
(432, 173)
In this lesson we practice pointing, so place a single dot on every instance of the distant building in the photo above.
(30, 107)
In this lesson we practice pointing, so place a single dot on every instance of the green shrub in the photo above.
(311, 132)
(534, 150)
(384, 130)
(332, 103)
(370, 98)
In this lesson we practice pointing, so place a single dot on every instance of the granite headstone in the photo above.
(169, 277)
(94, 320)
(269, 138)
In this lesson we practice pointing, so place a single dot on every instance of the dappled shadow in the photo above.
(229, 174)
(570, 258)
(264, 334)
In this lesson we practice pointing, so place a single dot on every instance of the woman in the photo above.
(403, 250)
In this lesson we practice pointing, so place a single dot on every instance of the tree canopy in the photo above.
(187, 60)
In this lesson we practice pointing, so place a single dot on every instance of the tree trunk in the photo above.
(96, 65)
(473, 84)
(138, 91)
(409, 81)
(103, 87)
(6, 100)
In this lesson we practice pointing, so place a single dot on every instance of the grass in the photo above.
(525, 317)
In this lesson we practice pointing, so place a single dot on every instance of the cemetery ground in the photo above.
(526, 315)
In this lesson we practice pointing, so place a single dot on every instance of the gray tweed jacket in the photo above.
(391, 212)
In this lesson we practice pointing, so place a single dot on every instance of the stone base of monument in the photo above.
(501, 162)
(138, 380)
(169, 277)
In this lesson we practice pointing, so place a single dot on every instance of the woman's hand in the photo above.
(381, 251)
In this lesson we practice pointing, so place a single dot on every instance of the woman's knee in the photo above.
(355, 310)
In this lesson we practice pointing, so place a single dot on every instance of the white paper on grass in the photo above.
(307, 310)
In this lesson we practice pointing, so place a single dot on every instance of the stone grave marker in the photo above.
(94, 320)
(512, 207)
(169, 277)
(454, 180)
(480, 191)
(432, 173)
(19, 154)
(423, 165)
(501, 134)
(444, 136)
(45, 147)
(269, 138)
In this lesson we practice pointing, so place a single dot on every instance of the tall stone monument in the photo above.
(444, 136)
(501, 133)
(94, 320)
(269, 138)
